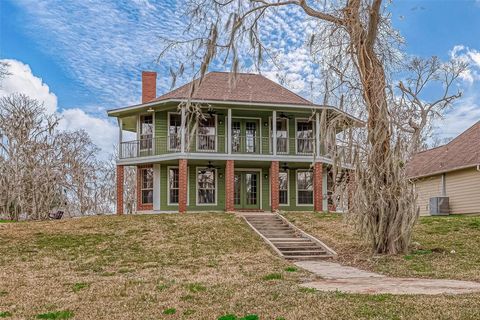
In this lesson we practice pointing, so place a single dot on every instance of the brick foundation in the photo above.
(317, 187)
(182, 185)
(229, 186)
(274, 186)
(142, 206)
(120, 179)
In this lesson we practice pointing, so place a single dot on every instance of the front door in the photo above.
(246, 190)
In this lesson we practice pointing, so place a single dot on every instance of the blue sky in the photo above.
(86, 56)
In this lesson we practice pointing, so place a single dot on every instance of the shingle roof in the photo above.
(461, 152)
(253, 88)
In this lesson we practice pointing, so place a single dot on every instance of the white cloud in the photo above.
(470, 56)
(102, 131)
(21, 80)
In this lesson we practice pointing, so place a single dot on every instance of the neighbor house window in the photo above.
(282, 134)
(207, 133)
(304, 187)
(173, 185)
(147, 185)
(146, 131)
(283, 187)
(304, 136)
(206, 185)
(174, 125)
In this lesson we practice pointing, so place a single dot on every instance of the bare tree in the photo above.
(361, 47)
(413, 112)
(4, 69)
(42, 169)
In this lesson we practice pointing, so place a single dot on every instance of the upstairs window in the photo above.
(146, 131)
(305, 137)
(282, 134)
(174, 126)
(207, 133)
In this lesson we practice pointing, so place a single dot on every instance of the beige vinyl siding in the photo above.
(463, 189)
(427, 188)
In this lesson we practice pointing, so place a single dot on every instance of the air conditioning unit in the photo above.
(439, 206)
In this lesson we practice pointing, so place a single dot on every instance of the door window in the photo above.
(304, 136)
(146, 131)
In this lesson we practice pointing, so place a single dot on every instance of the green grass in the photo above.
(273, 276)
(170, 311)
(5, 314)
(207, 265)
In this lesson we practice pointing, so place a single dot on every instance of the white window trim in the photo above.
(270, 141)
(216, 136)
(168, 185)
(296, 189)
(296, 135)
(139, 128)
(196, 187)
(141, 185)
(168, 131)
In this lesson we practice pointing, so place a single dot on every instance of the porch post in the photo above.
(274, 132)
(274, 185)
(317, 134)
(229, 186)
(120, 175)
(182, 185)
(120, 137)
(229, 131)
(317, 187)
(182, 131)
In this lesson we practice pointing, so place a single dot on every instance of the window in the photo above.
(236, 131)
(283, 187)
(147, 185)
(146, 131)
(173, 185)
(304, 187)
(174, 125)
(282, 134)
(304, 136)
(207, 133)
(206, 185)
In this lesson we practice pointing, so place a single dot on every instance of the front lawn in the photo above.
(202, 266)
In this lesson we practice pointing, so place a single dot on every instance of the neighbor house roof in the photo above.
(461, 152)
(247, 87)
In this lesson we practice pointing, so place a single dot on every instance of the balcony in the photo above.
(216, 144)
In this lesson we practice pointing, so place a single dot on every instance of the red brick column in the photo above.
(120, 176)
(182, 185)
(317, 187)
(274, 185)
(229, 186)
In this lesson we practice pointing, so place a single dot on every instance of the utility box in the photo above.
(439, 206)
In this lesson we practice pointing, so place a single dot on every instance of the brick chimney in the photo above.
(149, 86)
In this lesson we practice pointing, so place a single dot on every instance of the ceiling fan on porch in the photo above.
(284, 167)
(209, 168)
(284, 116)
(211, 112)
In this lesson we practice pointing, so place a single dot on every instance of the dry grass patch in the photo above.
(192, 266)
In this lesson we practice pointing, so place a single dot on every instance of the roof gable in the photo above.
(461, 152)
(248, 87)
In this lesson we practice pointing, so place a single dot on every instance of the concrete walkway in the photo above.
(352, 280)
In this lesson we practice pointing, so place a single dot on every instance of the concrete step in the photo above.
(303, 253)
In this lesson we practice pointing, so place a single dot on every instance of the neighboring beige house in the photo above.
(451, 170)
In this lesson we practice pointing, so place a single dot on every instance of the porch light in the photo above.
(265, 176)
(265, 124)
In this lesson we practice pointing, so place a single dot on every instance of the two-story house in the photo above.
(255, 148)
